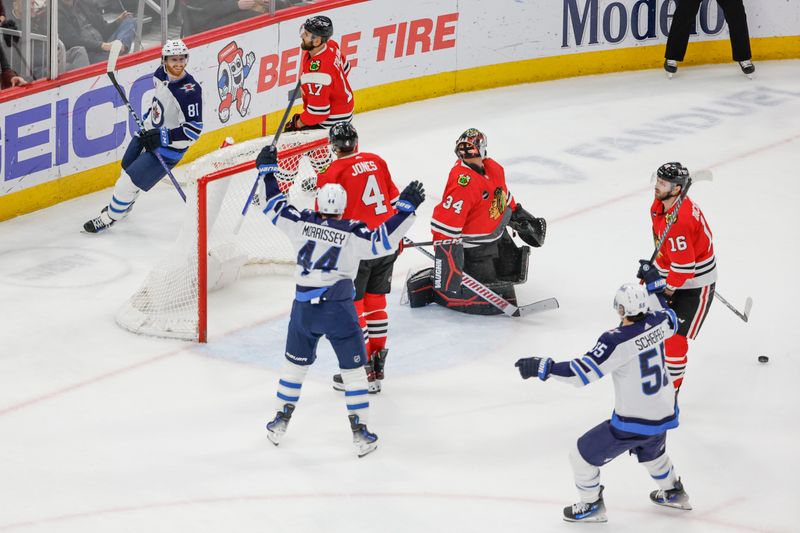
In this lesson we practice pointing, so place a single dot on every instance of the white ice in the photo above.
(105, 431)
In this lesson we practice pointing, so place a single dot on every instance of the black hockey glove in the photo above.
(267, 160)
(293, 124)
(651, 277)
(530, 229)
(534, 367)
(154, 138)
(411, 197)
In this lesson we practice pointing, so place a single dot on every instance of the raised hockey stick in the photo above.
(113, 55)
(701, 175)
(492, 297)
(254, 188)
(748, 304)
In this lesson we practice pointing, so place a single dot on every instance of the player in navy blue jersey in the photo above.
(329, 250)
(172, 123)
(645, 407)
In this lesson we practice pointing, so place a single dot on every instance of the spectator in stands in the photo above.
(203, 15)
(2, 12)
(81, 24)
(8, 78)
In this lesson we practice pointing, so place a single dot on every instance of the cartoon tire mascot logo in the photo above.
(233, 70)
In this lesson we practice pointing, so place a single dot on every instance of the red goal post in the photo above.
(215, 245)
(202, 221)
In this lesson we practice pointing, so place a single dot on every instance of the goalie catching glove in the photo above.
(530, 229)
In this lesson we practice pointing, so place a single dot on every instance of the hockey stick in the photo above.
(492, 297)
(748, 304)
(113, 55)
(701, 175)
(292, 98)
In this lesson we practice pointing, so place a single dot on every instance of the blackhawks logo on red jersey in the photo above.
(463, 179)
(498, 205)
(314, 66)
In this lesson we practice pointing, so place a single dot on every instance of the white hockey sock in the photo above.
(290, 383)
(125, 193)
(587, 476)
(662, 471)
(356, 393)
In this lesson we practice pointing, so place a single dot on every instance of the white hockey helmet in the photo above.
(631, 299)
(331, 199)
(174, 47)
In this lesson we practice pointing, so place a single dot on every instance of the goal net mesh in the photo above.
(166, 304)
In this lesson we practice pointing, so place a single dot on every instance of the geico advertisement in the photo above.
(85, 124)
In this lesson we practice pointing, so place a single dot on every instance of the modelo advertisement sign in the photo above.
(84, 124)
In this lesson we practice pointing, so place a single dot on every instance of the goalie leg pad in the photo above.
(448, 265)
(420, 288)
(466, 301)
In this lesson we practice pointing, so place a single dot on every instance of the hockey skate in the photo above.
(671, 66)
(364, 441)
(378, 364)
(675, 497)
(277, 428)
(748, 68)
(373, 386)
(587, 512)
(98, 224)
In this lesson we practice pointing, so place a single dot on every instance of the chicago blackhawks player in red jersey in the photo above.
(371, 195)
(471, 221)
(327, 97)
(685, 268)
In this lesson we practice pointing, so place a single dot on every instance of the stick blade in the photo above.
(537, 307)
(702, 175)
(748, 304)
(113, 55)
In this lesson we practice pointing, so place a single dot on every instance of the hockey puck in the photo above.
(763, 359)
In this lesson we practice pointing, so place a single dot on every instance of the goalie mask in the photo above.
(331, 199)
(631, 300)
(472, 143)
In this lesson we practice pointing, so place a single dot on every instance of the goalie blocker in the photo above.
(499, 265)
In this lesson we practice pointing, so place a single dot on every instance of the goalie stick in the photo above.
(113, 55)
(254, 188)
(482, 239)
(492, 297)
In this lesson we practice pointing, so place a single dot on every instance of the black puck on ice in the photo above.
(763, 359)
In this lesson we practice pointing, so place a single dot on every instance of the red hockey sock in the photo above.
(677, 348)
(377, 321)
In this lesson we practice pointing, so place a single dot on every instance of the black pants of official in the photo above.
(683, 20)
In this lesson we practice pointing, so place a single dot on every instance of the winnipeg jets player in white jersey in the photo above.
(645, 407)
(329, 250)
(172, 123)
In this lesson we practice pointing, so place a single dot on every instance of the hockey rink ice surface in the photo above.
(105, 431)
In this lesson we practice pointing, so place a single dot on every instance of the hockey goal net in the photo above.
(216, 244)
